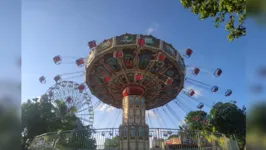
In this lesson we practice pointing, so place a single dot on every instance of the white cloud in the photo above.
(153, 28)
(150, 30)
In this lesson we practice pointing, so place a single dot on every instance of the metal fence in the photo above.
(108, 139)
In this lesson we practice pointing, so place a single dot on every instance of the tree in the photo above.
(221, 10)
(36, 118)
(195, 120)
(111, 143)
(65, 115)
(42, 117)
(230, 120)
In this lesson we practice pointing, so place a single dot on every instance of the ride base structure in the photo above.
(135, 73)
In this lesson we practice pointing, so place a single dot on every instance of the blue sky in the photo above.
(54, 27)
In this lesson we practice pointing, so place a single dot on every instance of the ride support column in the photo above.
(134, 132)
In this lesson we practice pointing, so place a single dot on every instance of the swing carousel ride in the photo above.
(135, 73)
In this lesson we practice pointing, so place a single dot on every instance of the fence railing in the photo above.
(108, 139)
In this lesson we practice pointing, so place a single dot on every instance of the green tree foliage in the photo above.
(194, 124)
(111, 143)
(42, 117)
(225, 118)
(230, 120)
(36, 118)
(231, 11)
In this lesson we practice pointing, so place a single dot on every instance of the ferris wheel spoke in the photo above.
(96, 104)
(84, 119)
(68, 89)
(81, 104)
(84, 114)
(59, 96)
(62, 96)
(77, 98)
(83, 109)
(80, 96)
(99, 107)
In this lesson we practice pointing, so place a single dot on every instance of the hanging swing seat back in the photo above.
(195, 71)
(80, 62)
(191, 92)
(188, 52)
(42, 79)
(92, 44)
(200, 106)
(81, 88)
(214, 89)
(57, 59)
(57, 78)
(218, 72)
(228, 92)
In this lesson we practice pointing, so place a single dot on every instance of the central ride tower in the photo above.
(133, 105)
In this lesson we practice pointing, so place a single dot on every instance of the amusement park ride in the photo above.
(134, 73)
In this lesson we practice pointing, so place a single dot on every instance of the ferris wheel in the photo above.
(76, 99)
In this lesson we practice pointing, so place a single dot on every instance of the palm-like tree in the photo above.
(62, 111)
(65, 114)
